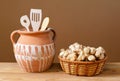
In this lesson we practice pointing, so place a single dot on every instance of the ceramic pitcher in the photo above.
(34, 51)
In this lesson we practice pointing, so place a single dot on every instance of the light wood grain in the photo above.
(12, 72)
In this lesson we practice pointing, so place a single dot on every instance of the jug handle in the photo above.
(54, 33)
(12, 36)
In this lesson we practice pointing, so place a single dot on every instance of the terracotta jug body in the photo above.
(34, 51)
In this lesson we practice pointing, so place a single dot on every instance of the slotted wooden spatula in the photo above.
(35, 18)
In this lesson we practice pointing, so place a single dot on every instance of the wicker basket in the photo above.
(82, 68)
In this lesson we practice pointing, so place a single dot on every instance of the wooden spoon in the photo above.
(44, 24)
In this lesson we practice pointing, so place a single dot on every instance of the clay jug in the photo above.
(34, 51)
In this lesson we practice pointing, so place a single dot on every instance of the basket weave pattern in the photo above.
(82, 68)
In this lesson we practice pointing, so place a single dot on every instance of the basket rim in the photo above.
(83, 62)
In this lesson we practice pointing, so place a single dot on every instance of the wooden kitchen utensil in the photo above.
(35, 18)
(24, 20)
(44, 24)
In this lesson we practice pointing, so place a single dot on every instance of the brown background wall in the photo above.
(89, 22)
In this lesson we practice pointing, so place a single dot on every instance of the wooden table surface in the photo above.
(12, 72)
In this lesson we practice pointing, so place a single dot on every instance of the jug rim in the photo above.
(24, 31)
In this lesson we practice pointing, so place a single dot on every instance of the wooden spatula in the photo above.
(35, 18)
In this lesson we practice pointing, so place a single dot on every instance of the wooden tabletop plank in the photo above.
(12, 72)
